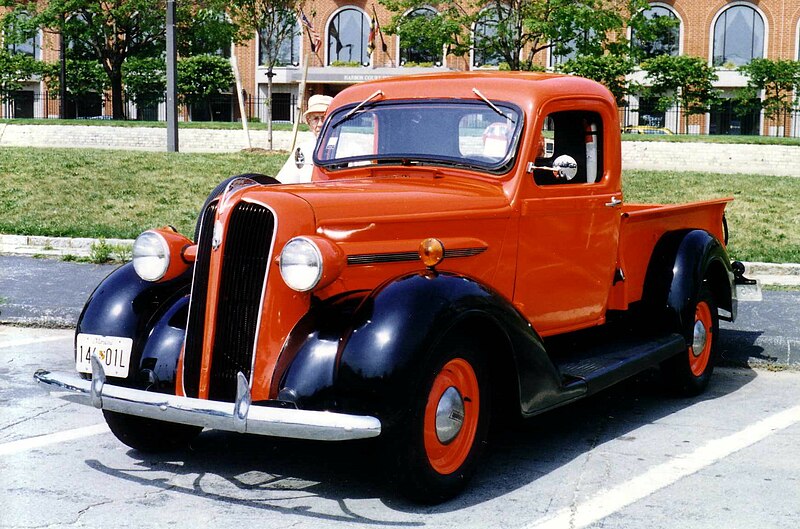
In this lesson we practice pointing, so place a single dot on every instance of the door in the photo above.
(569, 224)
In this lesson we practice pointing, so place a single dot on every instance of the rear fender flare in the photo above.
(680, 263)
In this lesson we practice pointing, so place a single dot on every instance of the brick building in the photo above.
(726, 33)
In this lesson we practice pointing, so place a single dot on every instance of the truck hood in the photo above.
(402, 198)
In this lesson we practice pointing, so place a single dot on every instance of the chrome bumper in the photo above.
(239, 416)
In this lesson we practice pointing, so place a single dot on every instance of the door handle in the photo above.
(614, 202)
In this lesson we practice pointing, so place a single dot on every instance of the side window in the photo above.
(574, 138)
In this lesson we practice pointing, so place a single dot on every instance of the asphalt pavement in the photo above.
(41, 292)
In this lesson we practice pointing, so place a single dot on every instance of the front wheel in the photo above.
(149, 435)
(690, 372)
(439, 442)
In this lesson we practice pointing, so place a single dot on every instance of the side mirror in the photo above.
(564, 166)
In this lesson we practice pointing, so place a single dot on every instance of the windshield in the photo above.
(431, 132)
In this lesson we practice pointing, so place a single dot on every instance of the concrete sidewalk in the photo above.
(773, 274)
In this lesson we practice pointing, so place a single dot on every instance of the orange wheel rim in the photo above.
(447, 456)
(700, 350)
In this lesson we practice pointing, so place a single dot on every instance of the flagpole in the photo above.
(301, 96)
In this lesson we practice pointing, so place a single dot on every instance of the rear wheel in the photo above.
(150, 435)
(439, 442)
(690, 372)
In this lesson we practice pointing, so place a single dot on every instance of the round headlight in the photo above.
(301, 264)
(150, 256)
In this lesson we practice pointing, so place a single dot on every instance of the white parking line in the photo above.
(30, 341)
(608, 502)
(31, 443)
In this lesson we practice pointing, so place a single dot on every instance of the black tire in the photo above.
(428, 469)
(150, 435)
(217, 191)
(689, 373)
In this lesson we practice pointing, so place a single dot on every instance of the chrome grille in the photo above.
(247, 251)
(193, 348)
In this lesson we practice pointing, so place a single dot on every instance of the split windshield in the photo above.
(430, 132)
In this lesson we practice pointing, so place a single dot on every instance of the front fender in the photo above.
(366, 352)
(125, 305)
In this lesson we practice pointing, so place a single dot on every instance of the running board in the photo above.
(604, 366)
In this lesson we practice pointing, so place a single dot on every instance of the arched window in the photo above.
(416, 48)
(664, 35)
(569, 50)
(485, 54)
(738, 36)
(348, 32)
(281, 43)
(31, 46)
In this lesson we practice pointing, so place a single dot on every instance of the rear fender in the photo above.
(681, 261)
(125, 305)
(370, 354)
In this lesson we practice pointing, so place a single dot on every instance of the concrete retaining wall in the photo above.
(779, 160)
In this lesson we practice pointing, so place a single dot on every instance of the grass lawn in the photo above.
(119, 194)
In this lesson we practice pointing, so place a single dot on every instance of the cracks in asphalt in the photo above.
(32, 417)
(593, 444)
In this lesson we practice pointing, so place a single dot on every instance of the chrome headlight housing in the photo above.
(150, 256)
(301, 264)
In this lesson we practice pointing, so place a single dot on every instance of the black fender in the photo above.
(153, 315)
(366, 352)
(680, 263)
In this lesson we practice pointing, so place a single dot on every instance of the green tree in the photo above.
(610, 70)
(515, 31)
(202, 76)
(83, 78)
(145, 80)
(275, 22)
(110, 32)
(683, 80)
(777, 80)
(15, 69)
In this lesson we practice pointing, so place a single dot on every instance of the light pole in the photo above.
(172, 78)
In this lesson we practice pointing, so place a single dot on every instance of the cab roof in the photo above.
(522, 88)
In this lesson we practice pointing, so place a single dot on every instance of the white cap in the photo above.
(317, 104)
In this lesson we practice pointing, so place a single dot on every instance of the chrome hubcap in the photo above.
(449, 415)
(699, 338)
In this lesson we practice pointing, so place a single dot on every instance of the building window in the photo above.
(485, 31)
(738, 36)
(348, 32)
(283, 44)
(560, 54)
(417, 49)
(731, 117)
(666, 33)
(31, 46)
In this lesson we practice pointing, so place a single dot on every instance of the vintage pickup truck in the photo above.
(463, 251)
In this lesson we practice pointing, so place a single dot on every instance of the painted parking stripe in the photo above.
(32, 443)
(615, 499)
(30, 341)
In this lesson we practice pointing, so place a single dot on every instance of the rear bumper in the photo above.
(239, 416)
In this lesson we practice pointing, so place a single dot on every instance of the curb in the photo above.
(779, 274)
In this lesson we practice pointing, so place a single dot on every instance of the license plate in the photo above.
(114, 353)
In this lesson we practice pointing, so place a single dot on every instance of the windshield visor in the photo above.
(449, 133)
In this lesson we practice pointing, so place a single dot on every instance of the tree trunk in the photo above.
(117, 103)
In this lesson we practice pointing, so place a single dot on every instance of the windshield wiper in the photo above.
(358, 107)
(492, 105)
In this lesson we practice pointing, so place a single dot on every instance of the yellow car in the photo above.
(647, 130)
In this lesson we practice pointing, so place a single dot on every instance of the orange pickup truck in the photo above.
(463, 251)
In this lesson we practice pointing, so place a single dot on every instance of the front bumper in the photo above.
(239, 416)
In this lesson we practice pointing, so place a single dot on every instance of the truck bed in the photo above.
(643, 225)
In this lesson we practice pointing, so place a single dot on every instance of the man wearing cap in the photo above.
(297, 168)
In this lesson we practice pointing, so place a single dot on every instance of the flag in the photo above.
(377, 27)
(316, 40)
(373, 29)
